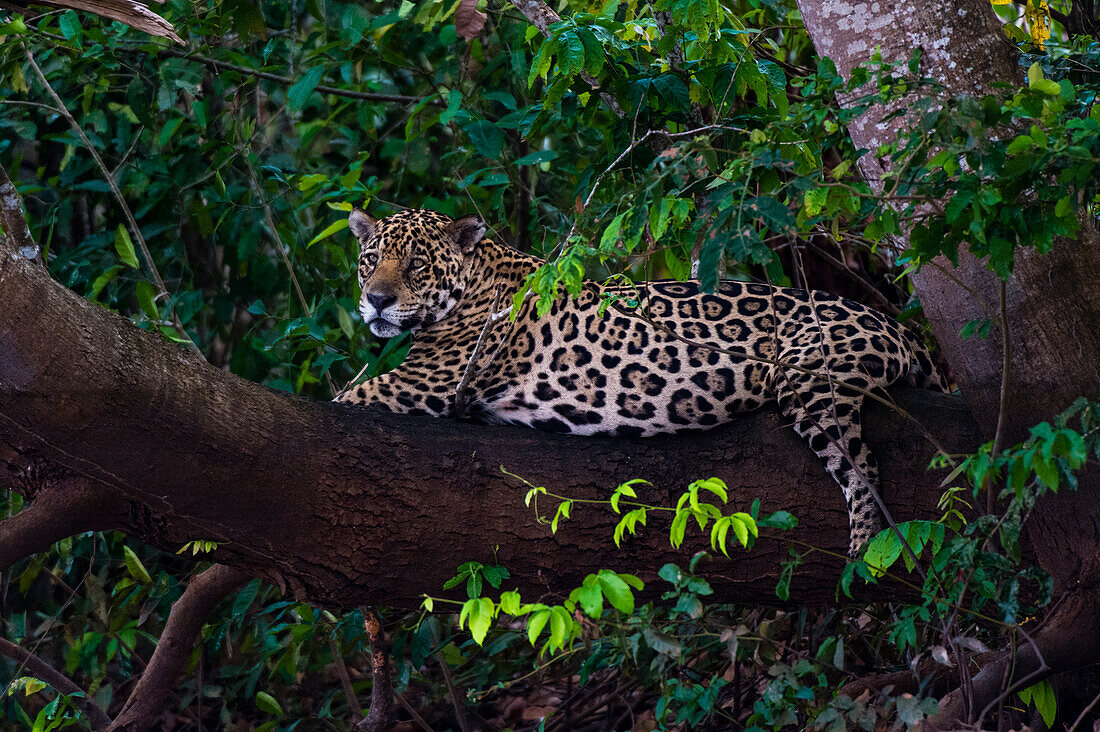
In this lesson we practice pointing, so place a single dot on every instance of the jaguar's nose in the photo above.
(381, 301)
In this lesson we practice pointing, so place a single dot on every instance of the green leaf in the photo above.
(593, 52)
(536, 623)
(718, 534)
(740, 528)
(30, 685)
(559, 625)
(487, 138)
(1042, 696)
(481, 619)
(882, 552)
(541, 156)
(15, 27)
(510, 602)
(125, 247)
(679, 526)
(590, 597)
(146, 296)
(267, 703)
(344, 319)
(135, 567)
(716, 486)
(245, 598)
(616, 591)
(298, 94)
(570, 54)
(69, 24)
(454, 102)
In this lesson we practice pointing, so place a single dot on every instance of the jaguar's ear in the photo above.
(361, 224)
(467, 232)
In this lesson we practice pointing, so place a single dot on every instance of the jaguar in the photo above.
(666, 356)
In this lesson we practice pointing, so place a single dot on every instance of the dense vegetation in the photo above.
(202, 191)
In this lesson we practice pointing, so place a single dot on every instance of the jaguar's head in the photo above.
(410, 267)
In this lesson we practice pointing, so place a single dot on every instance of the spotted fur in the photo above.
(681, 360)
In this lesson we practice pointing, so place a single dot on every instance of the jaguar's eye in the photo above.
(419, 263)
(371, 258)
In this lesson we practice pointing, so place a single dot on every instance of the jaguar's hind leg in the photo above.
(828, 416)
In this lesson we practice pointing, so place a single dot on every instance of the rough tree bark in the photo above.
(1052, 305)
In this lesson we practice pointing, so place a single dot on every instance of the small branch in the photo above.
(258, 190)
(135, 230)
(452, 689)
(416, 715)
(133, 13)
(43, 671)
(364, 96)
(185, 621)
(464, 382)
(16, 234)
(345, 680)
(380, 717)
(1039, 673)
(1084, 713)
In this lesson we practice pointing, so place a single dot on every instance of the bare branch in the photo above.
(348, 93)
(380, 717)
(43, 671)
(185, 621)
(130, 12)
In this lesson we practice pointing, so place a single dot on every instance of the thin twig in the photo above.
(413, 713)
(1084, 713)
(630, 148)
(345, 679)
(258, 191)
(452, 689)
(59, 681)
(1002, 415)
(365, 96)
(1041, 672)
(135, 230)
(467, 373)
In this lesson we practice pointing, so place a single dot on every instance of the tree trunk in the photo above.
(1052, 303)
(1053, 300)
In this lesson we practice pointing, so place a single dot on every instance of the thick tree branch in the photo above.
(345, 506)
(34, 666)
(174, 647)
(55, 513)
